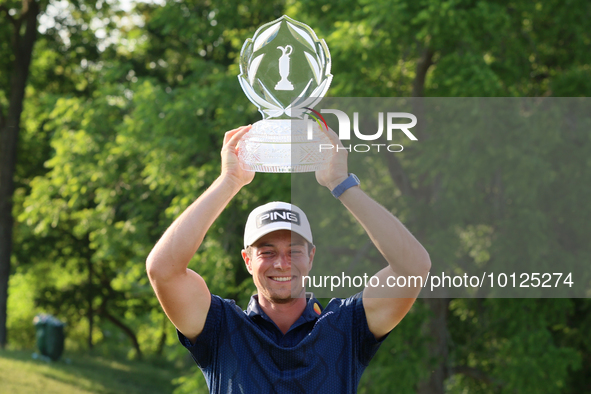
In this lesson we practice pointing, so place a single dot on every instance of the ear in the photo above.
(312, 253)
(247, 261)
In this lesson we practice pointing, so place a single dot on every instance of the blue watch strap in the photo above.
(348, 183)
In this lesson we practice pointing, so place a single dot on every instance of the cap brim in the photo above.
(275, 227)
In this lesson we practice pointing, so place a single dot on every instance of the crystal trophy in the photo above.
(285, 72)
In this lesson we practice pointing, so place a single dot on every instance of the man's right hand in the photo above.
(231, 168)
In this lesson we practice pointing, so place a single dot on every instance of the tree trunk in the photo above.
(89, 298)
(436, 326)
(9, 130)
(436, 329)
(423, 65)
(162, 340)
(125, 329)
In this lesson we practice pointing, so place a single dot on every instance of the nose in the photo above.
(283, 262)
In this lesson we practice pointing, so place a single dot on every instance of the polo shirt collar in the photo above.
(311, 313)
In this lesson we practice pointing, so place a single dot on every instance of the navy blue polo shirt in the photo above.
(245, 352)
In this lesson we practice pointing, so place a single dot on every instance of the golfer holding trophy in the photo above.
(285, 341)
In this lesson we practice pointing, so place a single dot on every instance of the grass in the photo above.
(20, 373)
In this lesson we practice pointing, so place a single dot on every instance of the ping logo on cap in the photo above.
(277, 215)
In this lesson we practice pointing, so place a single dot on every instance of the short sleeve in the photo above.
(366, 342)
(206, 343)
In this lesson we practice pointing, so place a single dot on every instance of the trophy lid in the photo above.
(284, 69)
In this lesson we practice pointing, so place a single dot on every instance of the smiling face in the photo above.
(277, 262)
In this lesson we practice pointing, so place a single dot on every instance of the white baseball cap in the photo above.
(275, 216)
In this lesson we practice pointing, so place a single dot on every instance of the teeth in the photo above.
(282, 278)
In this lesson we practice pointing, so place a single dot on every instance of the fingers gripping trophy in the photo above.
(285, 72)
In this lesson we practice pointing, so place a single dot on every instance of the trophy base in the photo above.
(282, 145)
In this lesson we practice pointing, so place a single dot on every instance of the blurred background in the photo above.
(112, 116)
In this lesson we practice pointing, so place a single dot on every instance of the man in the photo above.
(281, 343)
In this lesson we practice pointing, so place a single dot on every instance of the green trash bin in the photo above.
(50, 336)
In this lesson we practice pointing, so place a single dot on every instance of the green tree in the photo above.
(19, 36)
(31, 77)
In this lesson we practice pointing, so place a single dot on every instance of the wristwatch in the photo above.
(348, 183)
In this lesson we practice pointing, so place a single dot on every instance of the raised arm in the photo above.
(384, 306)
(182, 292)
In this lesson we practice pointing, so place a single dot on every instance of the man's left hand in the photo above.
(336, 170)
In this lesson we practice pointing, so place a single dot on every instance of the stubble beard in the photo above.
(277, 299)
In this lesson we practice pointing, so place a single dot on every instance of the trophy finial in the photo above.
(284, 68)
